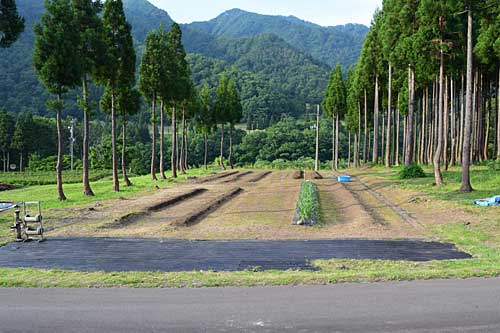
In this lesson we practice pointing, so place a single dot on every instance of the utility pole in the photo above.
(72, 140)
(316, 161)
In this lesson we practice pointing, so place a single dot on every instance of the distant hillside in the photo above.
(274, 77)
(331, 45)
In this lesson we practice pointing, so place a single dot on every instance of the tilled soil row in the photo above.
(131, 218)
(260, 177)
(207, 208)
(398, 210)
(238, 176)
(216, 177)
(313, 175)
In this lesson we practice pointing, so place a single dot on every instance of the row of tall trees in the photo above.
(427, 85)
(79, 42)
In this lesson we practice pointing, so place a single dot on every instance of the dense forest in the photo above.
(426, 87)
(277, 78)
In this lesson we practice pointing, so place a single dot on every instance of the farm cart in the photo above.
(29, 224)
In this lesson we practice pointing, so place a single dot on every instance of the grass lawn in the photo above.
(482, 240)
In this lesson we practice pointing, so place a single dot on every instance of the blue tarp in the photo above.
(6, 206)
(495, 201)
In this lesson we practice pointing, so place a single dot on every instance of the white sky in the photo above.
(323, 12)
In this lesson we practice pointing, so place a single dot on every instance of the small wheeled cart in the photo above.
(28, 221)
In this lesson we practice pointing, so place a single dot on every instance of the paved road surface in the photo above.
(429, 306)
(114, 254)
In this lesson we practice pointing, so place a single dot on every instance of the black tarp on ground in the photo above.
(113, 254)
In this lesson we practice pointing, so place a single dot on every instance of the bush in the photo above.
(412, 171)
(494, 164)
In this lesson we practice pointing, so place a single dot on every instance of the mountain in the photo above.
(331, 45)
(275, 73)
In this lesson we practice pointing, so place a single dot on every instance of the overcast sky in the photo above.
(323, 12)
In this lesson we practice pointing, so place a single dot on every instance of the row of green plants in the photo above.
(308, 203)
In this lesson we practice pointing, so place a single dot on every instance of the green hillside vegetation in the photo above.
(330, 45)
(287, 75)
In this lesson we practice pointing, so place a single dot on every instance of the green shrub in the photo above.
(494, 164)
(412, 171)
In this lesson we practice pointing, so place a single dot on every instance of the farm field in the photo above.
(259, 205)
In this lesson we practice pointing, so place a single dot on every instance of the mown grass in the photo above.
(482, 240)
(29, 178)
(485, 181)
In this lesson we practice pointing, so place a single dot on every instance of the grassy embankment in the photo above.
(482, 240)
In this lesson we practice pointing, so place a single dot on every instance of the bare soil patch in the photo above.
(260, 177)
(207, 208)
(297, 174)
(217, 176)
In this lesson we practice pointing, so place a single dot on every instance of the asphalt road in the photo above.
(427, 306)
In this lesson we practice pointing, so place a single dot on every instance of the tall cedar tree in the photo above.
(89, 49)
(57, 62)
(164, 92)
(117, 70)
(179, 71)
(11, 24)
(128, 103)
(150, 83)
(335, 105)
(235, 115)
(222, 113)
(205, 119)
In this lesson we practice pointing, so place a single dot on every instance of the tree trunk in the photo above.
(316, 155)
(230, 156)
(349, 151)
(333, 142)
(116, 183)
(205, 160)
(221, 162)
(124, 153)
(411, 104)
(173, 158)
(87, 190)
(359, 134)
(439, 148)
(445, 124)
(466, 185)
(389, 107)
(398, 122)
(453, 124)
(153, 143)
(185, 145)
(365, 156)
(337, 121)
(162, 139)
(181, 160)
(498, 117)
(375, 124)
(59, 166)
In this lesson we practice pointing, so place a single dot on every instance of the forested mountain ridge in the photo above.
(331, 45)
(275, 78)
